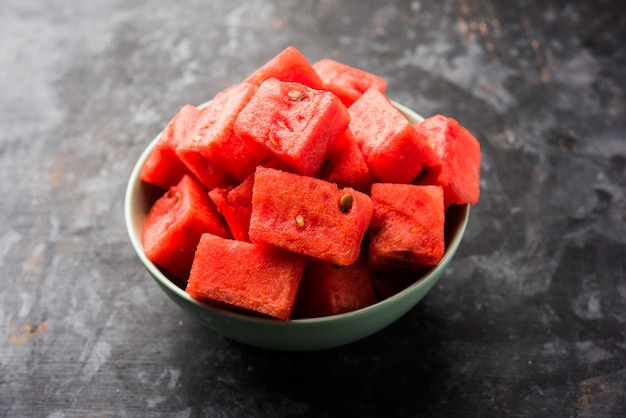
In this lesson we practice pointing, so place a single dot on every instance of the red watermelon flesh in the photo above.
(347, 82)
(258, 278)
(163, 168)
(345, 165)
(407, 229)
(456, 167)
(288, 65)
(294, 123)
(208, 174)
(328, 289)
(304, 215)
(212, 151)
(235, 204)
(175, 223)
(393, 150)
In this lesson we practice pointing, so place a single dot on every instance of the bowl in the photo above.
(298, 334)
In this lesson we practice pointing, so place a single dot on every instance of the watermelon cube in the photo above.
(392, 149)
(212, 152)
(347, 82)
(174, 224)
(288, 65)
(293, 123)
(258, 278)
(163, 168)
(345, 165)
(235, 204)
(327, 289)
(456, 166)
(407, 229)
(308, 216)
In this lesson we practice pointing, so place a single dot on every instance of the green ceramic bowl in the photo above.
(298, 334)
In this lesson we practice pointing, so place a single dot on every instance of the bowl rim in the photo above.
(134, 183)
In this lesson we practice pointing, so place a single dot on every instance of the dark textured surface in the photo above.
(530, 319)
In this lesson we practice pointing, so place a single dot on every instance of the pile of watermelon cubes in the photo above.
(303, 191)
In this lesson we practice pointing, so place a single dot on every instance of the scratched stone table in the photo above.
(529, 320)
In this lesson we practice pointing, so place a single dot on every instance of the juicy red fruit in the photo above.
(407, 229)
(253, 277)
(328, 289)
(175, 223)
(347, 82)
(456, 163)
(163, 168)
(392, 148)
(211, 151)
(288, 65)
(304, 215)
(294, 123)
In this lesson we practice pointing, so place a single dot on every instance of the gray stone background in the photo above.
(528, 321)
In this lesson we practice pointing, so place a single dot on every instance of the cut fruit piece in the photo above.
(456, 167)
(327, 289)
(392, 149)
(235, 204)
(308, 216)
(175, 223)
(294, 123)
(163, 168)
(212, 152)
(347, 82)
(288, 65)
(407, 229)
(345, 165)
(258, 278)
